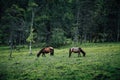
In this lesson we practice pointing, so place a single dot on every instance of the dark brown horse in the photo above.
(76, 50)
(45, 51)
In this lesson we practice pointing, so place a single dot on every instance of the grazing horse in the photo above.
(76, 50)
(45, 51)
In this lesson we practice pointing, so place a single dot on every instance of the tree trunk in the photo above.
(85, 37)
(11, 44)
(30, 46)
(76, 31)
(48, 32)
(11, 48)
(118, 29)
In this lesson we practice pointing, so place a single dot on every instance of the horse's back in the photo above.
(46, 49)
(74, 49)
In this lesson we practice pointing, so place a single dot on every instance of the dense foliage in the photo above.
(78, 20)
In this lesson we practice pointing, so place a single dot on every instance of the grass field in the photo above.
(102, 62)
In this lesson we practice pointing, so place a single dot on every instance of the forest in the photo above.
(59, 22)
(38, 39)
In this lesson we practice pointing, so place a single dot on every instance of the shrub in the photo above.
(58, 38)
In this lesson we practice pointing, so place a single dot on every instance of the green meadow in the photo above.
(102, 62)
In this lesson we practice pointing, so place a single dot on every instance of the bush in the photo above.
(58, 38)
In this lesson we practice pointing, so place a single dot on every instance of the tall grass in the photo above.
(102, 62)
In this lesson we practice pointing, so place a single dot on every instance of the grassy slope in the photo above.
(101, 63)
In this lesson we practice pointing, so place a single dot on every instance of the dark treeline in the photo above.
(56, 22)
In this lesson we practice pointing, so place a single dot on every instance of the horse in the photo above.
(46, 50)
(76, 50)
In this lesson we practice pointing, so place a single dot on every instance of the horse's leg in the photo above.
(78, 54)
(51, 54)
(43, 54)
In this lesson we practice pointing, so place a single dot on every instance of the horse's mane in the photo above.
(82, 52)
(38, 54)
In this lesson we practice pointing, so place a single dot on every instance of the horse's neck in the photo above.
(42, 50)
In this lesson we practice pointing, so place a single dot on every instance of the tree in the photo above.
(30, 39)
(118, 29)
(58, 38)
(31, 8)
(88, 20)
(15, 22)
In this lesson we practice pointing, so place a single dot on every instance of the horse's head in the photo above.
(38, 54)
(51, 51)
(83, 52)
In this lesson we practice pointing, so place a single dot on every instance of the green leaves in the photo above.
(31, 36)
(68, 15)
(90, 16)
(58, 38)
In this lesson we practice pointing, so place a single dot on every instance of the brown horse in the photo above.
(45, 51)
(76, 50)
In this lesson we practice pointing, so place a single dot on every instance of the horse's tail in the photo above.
(52, 52)
(82, 52)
